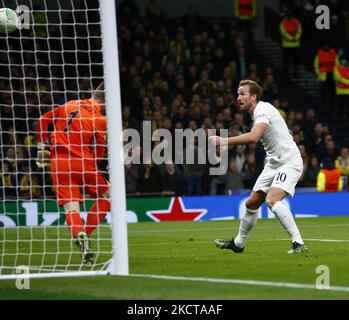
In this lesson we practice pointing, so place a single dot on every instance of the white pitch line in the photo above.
(343, 225)
(206, 242)
(322, 240)
(245, 282)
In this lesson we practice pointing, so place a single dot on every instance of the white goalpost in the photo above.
(119, 263)
(68, 49)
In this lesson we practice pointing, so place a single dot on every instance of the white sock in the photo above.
(247, 222)
(286, 219)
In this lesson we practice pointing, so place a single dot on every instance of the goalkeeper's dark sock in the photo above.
(96, 215)
(74, 222)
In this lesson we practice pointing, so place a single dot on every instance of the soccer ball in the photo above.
(8, 20)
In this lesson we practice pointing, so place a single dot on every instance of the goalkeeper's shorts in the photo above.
(71, 176)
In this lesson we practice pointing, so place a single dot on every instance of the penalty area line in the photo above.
(243, 282)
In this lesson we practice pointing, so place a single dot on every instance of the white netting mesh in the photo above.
(58, 59)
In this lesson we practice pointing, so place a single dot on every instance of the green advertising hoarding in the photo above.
(45, 213)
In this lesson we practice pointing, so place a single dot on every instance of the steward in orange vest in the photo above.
(329, 179)
(245, 9)
(325, 62)
(341, 77)
(291, 31)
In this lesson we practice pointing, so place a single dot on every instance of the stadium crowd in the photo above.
(176, 73)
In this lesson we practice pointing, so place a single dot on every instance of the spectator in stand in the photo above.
(205, 87)
(128, 9)
(193, 23)
(181, 116)
(28, 184)
(233, 179)
(132, 171)
(239, 122)
(234, 130)
(195, 114)
(290, 119)
(312, 170)
(191, 75)
(240, 157)
(305, 158)
(182, 89)
(228, 89)
(310, 120)
(176, 103)
(215, 182)
(220, 104)
(179, 42)
(284, 104)
(277, 104)
(270, 88)
(150, 179)
(8, 182)
(250, 171)
(164, 112)
(206, 110)
(10, 158)
(127, 121)
(299, 118)
(171, 66)
(253, 72)
(173, 179)
(147, 111)
(195, 100)
(330, 151)
(329, 178)
(297, 138)
(219, 60)
(316, 137)
(259, 153)
(166, 95)
(297, 130)
(194, 167)
(227, 117)
(342, 165)
(157, 121)
(154, 14)
(193, 125)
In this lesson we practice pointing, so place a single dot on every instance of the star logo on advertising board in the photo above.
(176, 212)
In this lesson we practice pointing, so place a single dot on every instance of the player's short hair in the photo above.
(253, 86)
(98, 94)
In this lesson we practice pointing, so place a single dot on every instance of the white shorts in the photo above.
(284, 176)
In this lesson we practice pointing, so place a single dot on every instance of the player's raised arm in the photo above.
(44, 156)
(44, 121)
(253, 136)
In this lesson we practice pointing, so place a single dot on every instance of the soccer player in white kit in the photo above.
(280, 175)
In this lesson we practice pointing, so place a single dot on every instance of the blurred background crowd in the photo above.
(179, 73)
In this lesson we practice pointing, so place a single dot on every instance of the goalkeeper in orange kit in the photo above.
(78, 142)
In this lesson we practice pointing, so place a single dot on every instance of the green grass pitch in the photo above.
(185, 249)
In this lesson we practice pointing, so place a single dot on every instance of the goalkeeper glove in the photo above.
(43, 156)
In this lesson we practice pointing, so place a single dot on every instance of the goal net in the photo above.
(55, 58)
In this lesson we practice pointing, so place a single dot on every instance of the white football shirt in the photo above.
(277, 139)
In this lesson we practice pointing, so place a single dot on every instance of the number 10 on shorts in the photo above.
(281, 176)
